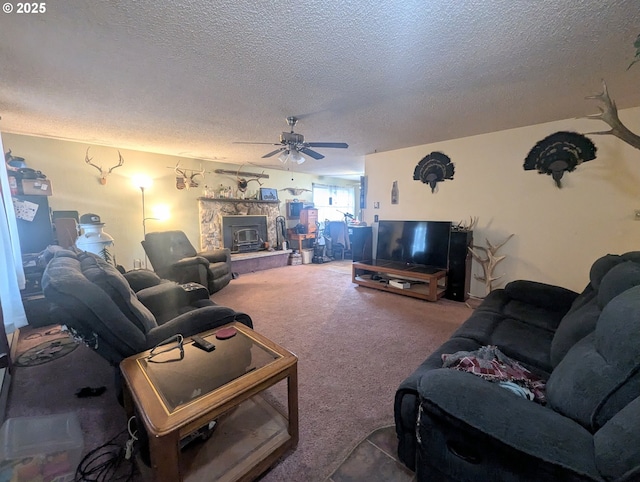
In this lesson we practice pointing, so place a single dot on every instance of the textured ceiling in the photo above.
(190, 77)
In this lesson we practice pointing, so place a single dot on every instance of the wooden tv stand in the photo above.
(426, 283)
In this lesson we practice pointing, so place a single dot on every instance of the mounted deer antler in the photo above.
(184, 180)
(609, 114)
(244, 183)
(103, 173)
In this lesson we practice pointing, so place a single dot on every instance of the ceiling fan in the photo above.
(292, 146)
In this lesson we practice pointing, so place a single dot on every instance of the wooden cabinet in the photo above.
(309, 218)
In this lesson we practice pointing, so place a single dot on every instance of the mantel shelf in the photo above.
(234, 200)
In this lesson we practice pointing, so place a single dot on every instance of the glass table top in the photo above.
(181, 380)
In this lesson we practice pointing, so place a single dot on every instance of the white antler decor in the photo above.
(243, 183)
(467, 226)
(488, 262)
(609, 114)
(185, 178)
(103, 173)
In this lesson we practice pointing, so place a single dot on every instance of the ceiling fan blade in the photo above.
(264, 143)
(273, 153)
(310, 153)
(340, 145)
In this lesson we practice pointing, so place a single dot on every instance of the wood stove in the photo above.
(243, 234)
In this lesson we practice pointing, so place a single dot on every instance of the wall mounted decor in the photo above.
(434, 168)
(395, 193)
(559, 153)
(103, 173)
(186, 178)
(609, 114)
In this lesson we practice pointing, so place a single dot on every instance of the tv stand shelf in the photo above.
(426, 283)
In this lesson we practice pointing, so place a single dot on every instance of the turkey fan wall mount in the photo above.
(558, 153)
(292, 146)
(434, 168)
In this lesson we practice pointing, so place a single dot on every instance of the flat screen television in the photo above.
(424, 243)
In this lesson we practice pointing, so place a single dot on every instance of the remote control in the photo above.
(203, 344)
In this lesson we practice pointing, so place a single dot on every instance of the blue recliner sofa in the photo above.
(456, 426)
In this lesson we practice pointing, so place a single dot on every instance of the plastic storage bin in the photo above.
(44, 448)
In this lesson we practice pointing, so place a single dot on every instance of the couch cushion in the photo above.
(581, 321)
(616, 444)
(617, 280)
(487, 327)
(140, 279)
(105, 276)
(575, 325)
(601, 373)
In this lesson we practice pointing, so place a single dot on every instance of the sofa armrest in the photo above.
(191, 261)
(196, 321)
(163, 297)
(140, 279)
(221, 255)
(550, 297)
(493, 423)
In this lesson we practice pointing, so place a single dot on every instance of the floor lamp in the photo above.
(143, 182)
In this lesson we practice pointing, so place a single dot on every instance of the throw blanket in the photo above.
(491, 364)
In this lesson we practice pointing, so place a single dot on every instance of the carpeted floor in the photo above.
(354, 344)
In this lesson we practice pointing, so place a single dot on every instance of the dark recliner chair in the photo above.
(173, 257)
(96, 302)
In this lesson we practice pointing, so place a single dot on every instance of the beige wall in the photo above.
(76, 187)
(558, 232)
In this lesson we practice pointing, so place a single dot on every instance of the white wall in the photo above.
(558, 232)
(76, 187)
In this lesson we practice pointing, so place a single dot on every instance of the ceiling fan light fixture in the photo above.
(297, 157)
(284, 156)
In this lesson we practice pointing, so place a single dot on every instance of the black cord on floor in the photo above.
(111, 461)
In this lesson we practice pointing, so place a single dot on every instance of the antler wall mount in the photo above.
(185, 178)
(103, 173)
(609, 114)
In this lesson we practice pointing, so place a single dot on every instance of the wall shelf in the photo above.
(234, 200)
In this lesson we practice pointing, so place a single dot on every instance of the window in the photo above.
(333, 201)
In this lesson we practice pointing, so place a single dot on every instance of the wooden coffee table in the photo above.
(177, 396)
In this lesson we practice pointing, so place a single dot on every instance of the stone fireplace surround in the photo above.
(211, 211)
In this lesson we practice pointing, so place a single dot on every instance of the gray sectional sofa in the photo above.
(456, 426)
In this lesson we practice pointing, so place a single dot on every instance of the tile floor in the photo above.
(374, 460)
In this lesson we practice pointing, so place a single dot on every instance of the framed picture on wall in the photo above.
(268, 194)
